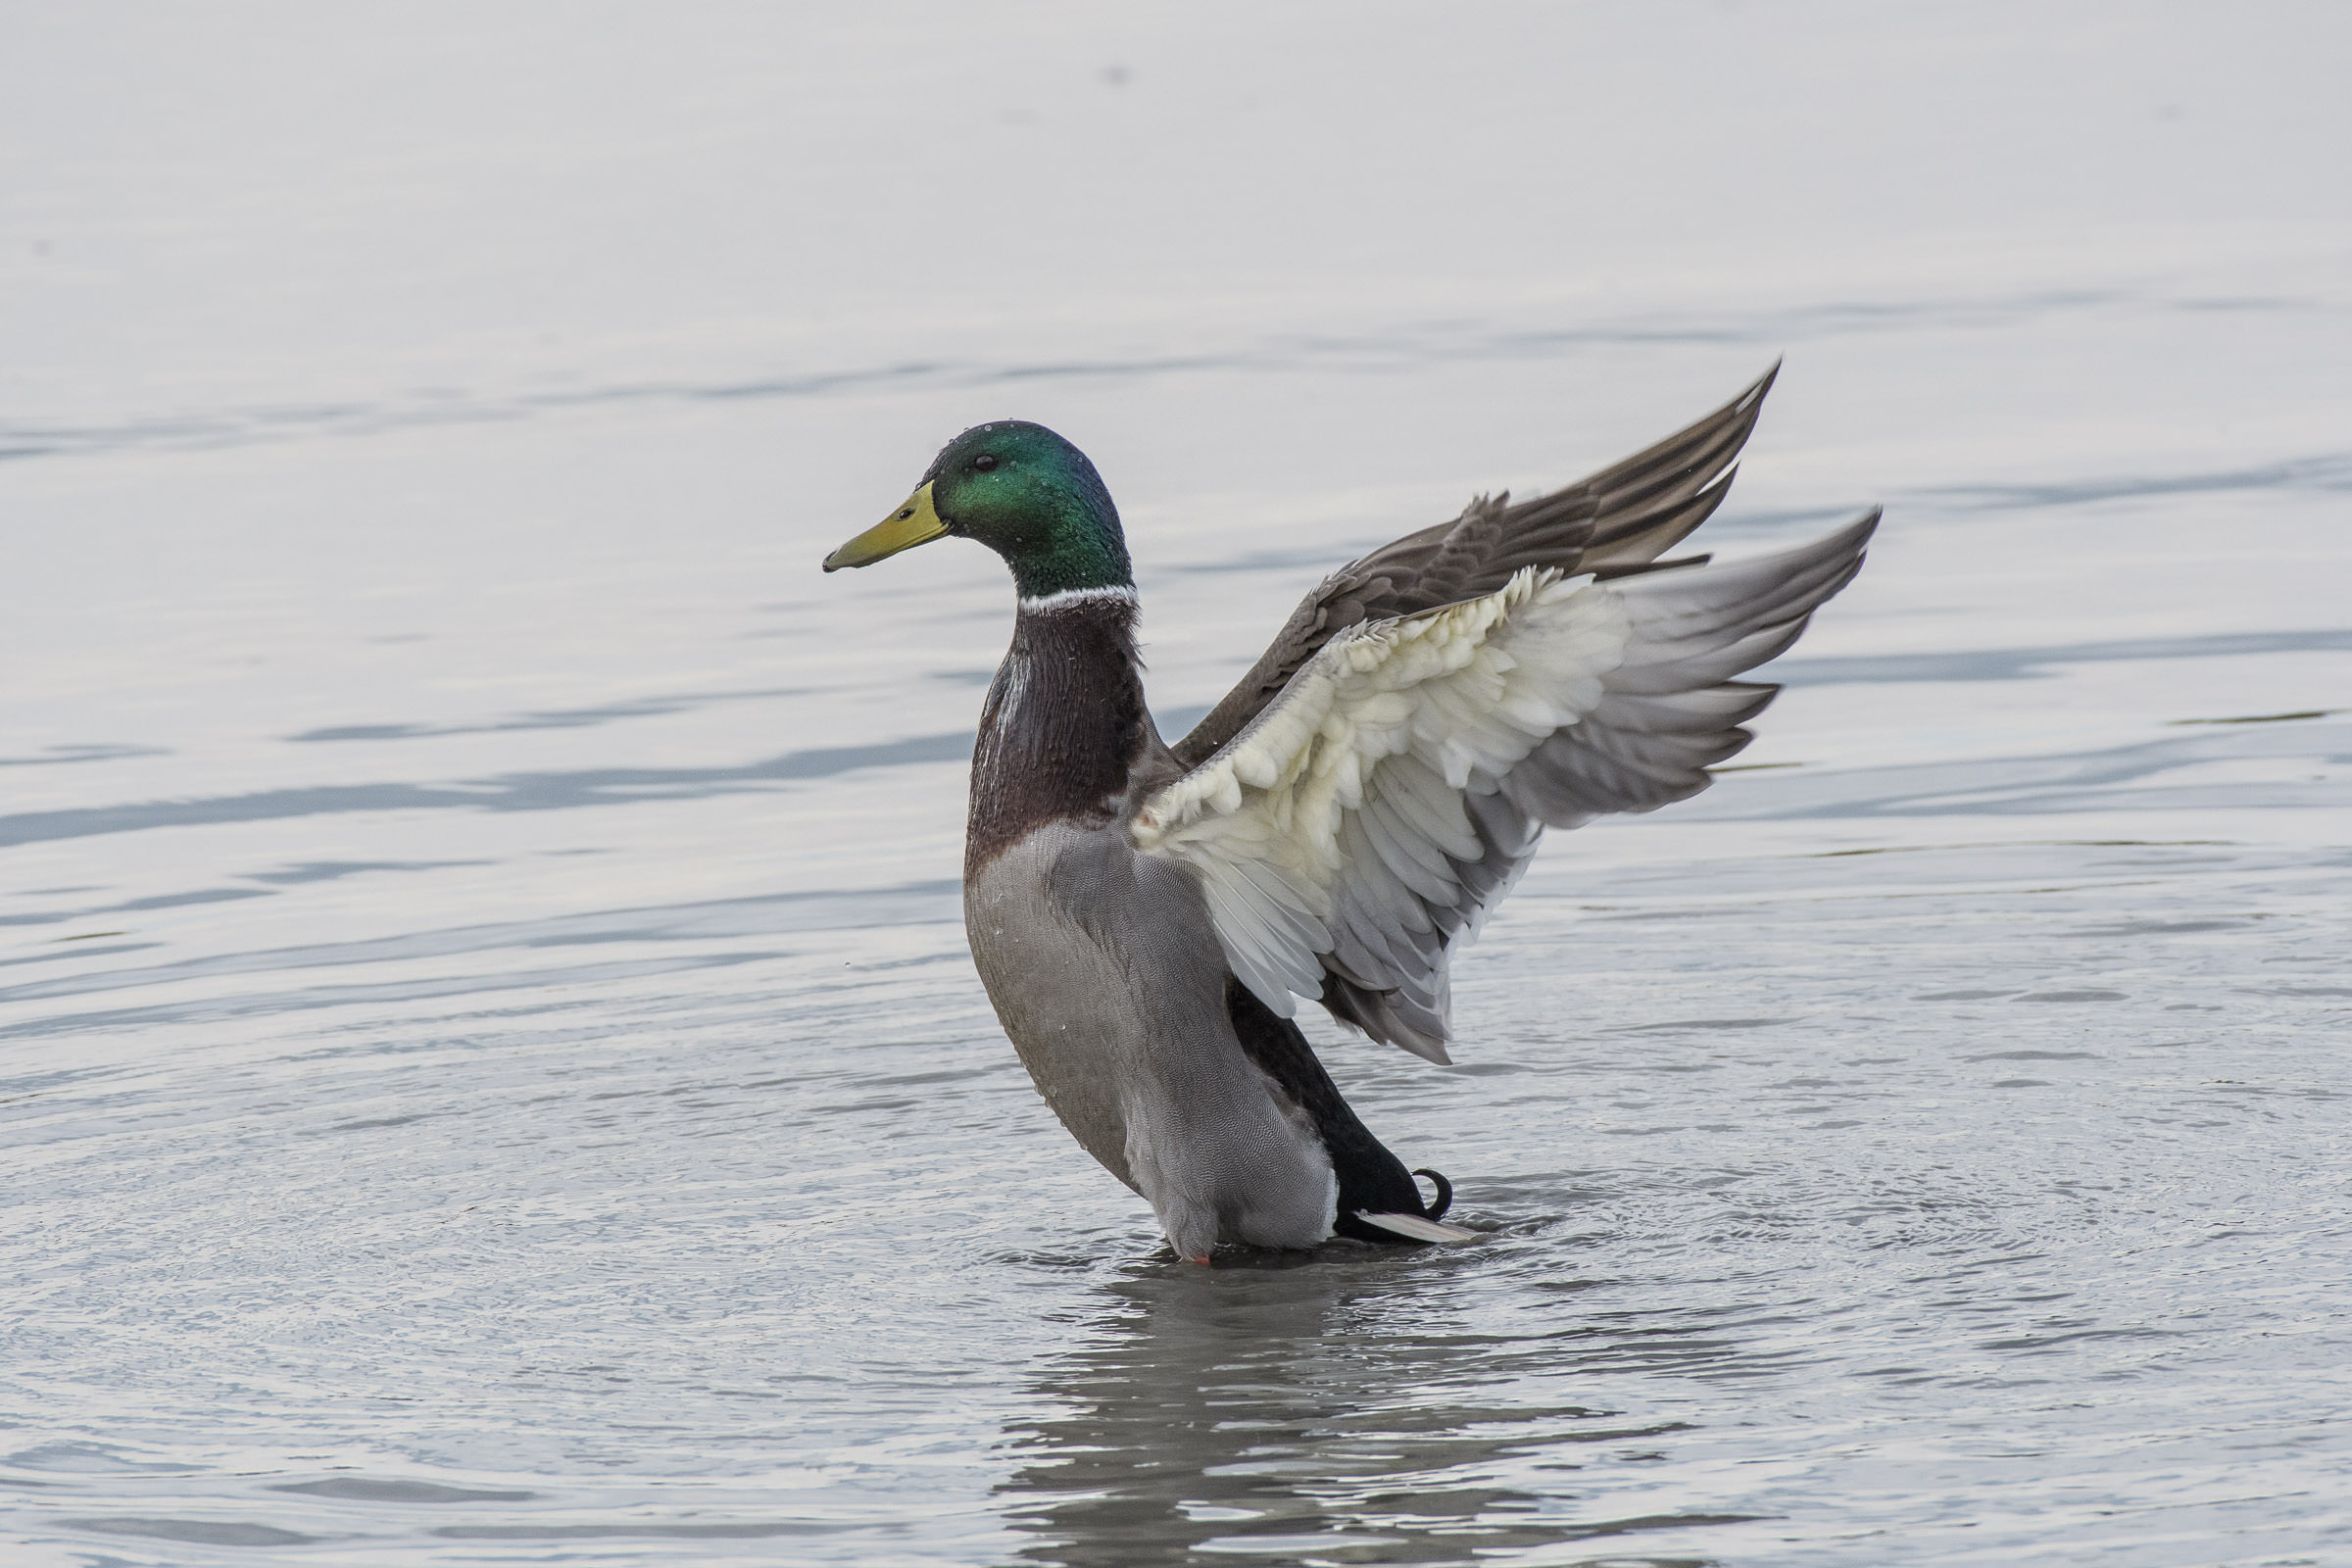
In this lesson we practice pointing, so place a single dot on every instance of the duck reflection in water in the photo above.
(1295, 1408)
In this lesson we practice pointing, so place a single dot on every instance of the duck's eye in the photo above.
(984, 461)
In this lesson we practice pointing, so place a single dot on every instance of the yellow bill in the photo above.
(913, 523)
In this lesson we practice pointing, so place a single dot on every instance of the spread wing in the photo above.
(1613, 524)
(1374, 812)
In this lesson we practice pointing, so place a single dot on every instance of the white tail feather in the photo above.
(1418, 1227)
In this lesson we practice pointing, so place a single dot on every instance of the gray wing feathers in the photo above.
(1667, 713)
(1388, 974)
(1613, 524)
(1419, 863)
(1672, 709)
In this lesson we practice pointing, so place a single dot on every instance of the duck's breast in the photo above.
(1107, 977)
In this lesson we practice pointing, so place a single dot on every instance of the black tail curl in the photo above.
(1436, 1210)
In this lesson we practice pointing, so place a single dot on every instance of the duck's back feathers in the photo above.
(1612, 523)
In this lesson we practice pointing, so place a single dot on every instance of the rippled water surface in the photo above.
(489, 1068)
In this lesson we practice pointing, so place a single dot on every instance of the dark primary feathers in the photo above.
(1612, 523)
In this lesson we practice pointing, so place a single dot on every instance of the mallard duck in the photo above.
(1148, 918)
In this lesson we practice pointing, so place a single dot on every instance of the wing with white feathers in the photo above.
(1612, 523)
(1378, 807)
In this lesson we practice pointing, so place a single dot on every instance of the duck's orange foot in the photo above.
(1202, 1261)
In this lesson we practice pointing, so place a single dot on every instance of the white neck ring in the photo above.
(1120, 594)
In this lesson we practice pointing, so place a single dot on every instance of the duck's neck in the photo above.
(1064, 720)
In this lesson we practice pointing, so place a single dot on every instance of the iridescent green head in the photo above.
(1022, 491)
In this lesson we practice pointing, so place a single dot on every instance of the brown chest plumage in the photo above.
(1063, 725)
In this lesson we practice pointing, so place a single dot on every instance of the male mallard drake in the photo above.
(1146, 917)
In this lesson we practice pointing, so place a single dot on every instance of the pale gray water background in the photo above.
(489, 1071)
